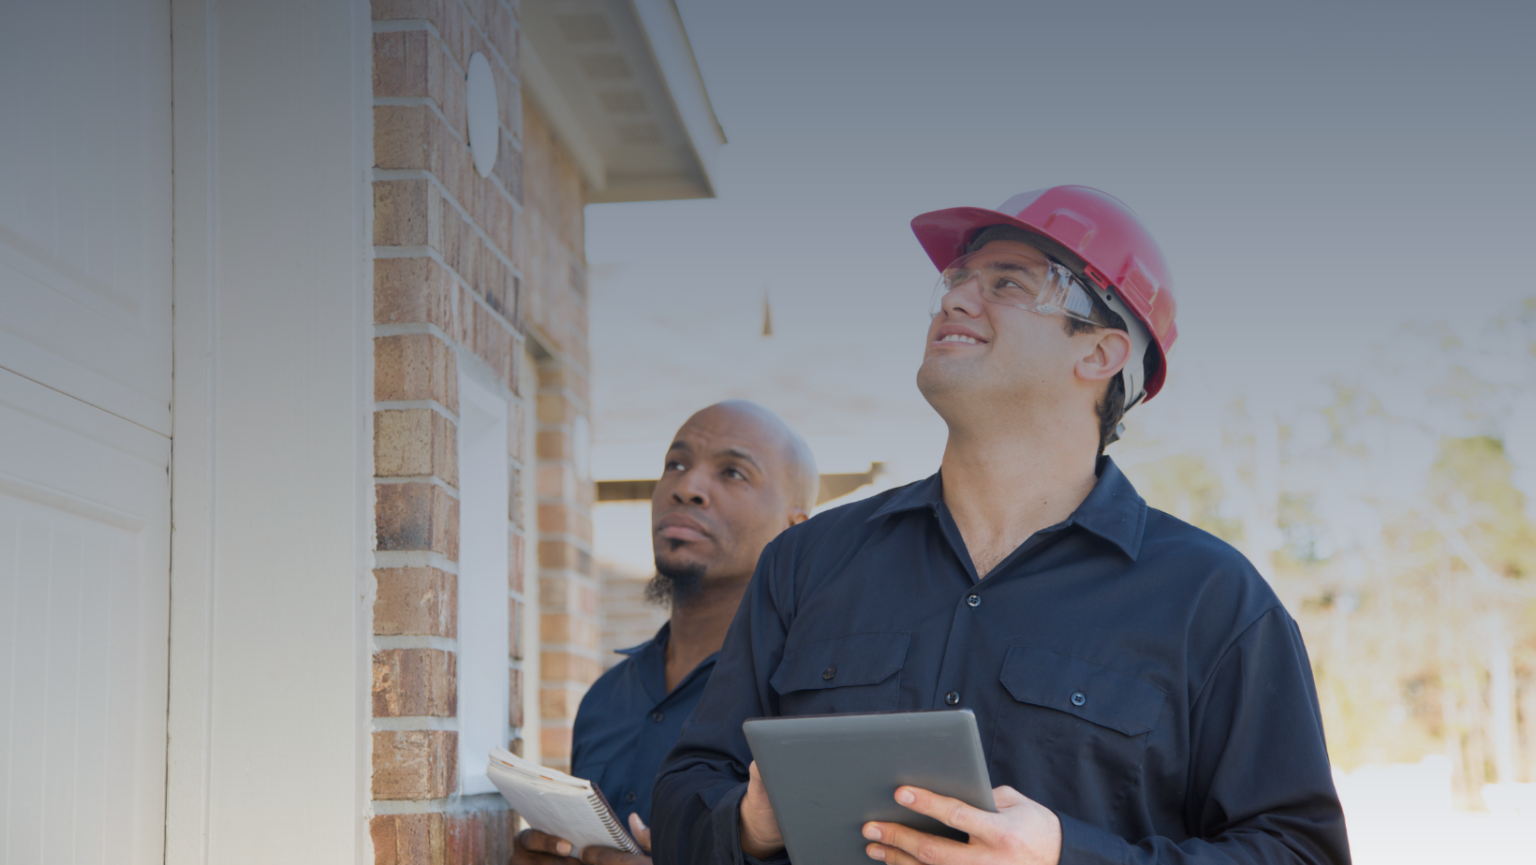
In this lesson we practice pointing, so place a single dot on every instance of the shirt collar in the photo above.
(926, 493)
(659, 641)
(1113, 510)
(650, 658)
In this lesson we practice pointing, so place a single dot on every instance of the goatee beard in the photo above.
(675, 585)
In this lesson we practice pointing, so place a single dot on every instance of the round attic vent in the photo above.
(480, 96)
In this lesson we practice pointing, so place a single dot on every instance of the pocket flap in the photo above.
(1094, 693)
(855, 659)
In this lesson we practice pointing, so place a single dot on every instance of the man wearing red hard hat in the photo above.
(1141, 694)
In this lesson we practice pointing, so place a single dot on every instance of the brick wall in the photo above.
(486, 272)
(551, 239)
(628, 618)
(448, 291)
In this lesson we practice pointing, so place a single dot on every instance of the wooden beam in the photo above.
(833, 486)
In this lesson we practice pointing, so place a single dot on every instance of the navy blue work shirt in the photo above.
(628, 722)
(1132, 673)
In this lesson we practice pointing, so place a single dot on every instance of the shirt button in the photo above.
(828, 673)
(952, 698)
(1079, 698)
(657, 716)
(631, 796)
(973, 599)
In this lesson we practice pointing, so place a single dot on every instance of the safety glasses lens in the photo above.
(1033, 283)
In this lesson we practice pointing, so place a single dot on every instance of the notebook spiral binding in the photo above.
(621, 838)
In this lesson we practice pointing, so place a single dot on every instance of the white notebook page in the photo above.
(558, 804)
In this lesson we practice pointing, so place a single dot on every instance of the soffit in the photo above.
(618, 82)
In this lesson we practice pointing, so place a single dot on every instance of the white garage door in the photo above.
(85, 423)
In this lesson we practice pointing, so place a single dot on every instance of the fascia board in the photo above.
(540, 84)
(660, 188)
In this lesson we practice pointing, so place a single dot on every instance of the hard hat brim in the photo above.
(944, 234)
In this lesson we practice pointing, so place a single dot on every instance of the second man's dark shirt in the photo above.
(1132, 673)
(628, 722)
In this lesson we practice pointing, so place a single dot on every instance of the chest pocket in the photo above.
(1088, 723)
(852, 673)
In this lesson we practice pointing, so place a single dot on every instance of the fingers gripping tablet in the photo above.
(827, 775)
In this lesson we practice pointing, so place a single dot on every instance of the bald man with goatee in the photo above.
(734, 477)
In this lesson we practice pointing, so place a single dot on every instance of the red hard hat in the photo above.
(1115, 249)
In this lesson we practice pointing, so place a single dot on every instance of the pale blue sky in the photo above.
(1315, 173)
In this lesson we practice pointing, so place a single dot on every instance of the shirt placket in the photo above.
(968, 600)
(967, 626)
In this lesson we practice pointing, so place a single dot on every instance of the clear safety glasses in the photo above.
(1010, 278)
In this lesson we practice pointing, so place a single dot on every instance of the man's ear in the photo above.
(1111, 350)
(798, 516)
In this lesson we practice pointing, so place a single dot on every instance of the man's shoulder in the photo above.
(1205, 566)
(840, 528)
(614, 683)
(804, 557)
(604, 688)
(1168, 535)
(839, 519)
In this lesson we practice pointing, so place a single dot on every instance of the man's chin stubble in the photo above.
(675, 584)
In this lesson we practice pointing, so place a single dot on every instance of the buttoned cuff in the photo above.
(727, 830)
(1086, 844)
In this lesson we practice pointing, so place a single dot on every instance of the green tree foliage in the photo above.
(1472, 479)
(1407, 549)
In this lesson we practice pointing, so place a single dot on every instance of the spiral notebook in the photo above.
(558, 804)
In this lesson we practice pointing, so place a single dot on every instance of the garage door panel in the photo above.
(85, 202)
(61, 658)
(59, 336)
(24, 765)
(84, 588)
(85, 420)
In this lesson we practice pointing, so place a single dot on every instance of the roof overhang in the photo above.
(619, 85)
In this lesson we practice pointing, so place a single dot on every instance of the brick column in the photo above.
(552, 234)
(570, 623)
(447, 290)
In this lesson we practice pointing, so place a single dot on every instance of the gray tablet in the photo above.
(828, 775)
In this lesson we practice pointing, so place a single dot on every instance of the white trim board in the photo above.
(271, 586)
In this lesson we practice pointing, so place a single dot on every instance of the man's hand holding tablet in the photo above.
(760, 835)
(818, 782)
(1022, 832)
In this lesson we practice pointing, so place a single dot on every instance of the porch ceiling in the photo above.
(619, 85)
